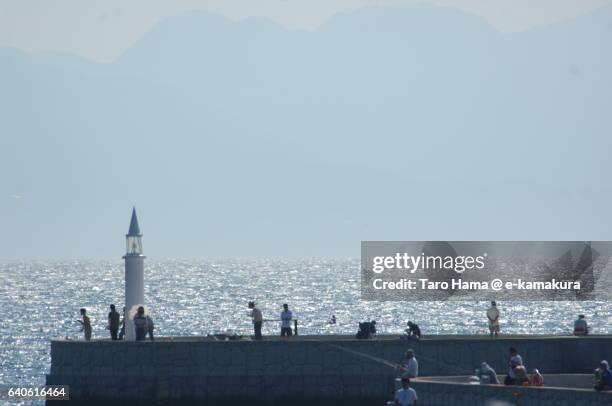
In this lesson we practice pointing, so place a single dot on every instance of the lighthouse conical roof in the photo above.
(134, 228)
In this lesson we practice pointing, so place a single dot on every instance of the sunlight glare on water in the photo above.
(41, 301)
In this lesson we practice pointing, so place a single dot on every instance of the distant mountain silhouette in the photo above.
(386, 123)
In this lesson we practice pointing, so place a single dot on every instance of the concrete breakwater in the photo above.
(440, 392)
(330, 370)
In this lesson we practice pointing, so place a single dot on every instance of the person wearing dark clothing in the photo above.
(366, 330)
(286, 318)
(604, 377)
(581, 327)
(257, 317)
(514, 361)
(150, 328)
(140, 324)
(413, 330)
(113, 322)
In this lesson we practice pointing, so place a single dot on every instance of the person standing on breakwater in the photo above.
(85, 324)
(113, 322)
(405, 396)
(286, 317)
(140, 324)
(493, 317)
(515, 360)
(150, 327)
(257, 319)
(580, 326)
(411, 365)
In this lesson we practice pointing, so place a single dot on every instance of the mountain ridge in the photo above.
(300, 142)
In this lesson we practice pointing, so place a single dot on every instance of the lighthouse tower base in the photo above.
(134, 291)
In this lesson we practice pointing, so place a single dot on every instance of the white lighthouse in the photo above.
(134, 274)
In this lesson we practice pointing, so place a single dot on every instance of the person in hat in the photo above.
(411, 365)
(580, 326)
(493, 317)
(514, 361)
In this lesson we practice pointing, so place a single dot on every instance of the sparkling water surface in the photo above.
(40, 301)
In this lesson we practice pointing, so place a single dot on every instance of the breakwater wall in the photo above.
(329, 370)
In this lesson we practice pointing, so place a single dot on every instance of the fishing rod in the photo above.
(448, 367)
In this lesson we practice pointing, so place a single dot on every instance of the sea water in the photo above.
(40, 301)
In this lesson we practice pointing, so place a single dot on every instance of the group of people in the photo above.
(581, 327)
(517, 374)
(286, 318)
(486, 375)
(366, 330)
(143, 324)
(413, 331)
(406, 395)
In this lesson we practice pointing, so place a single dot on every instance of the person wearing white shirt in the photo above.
(406, 396)
(411, 365)
(257, 317)
(286, 317)
(493, 317)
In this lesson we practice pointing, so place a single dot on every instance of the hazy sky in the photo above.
(243, 139)
(102, 29)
